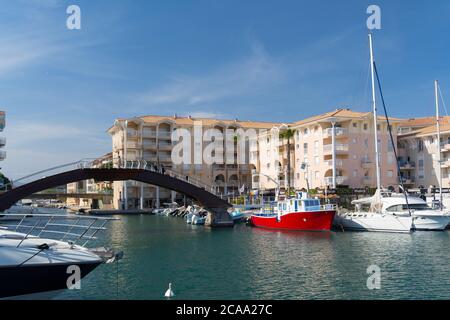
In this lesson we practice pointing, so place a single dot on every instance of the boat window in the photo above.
(284, 206)
(312, 204)
(404, 207)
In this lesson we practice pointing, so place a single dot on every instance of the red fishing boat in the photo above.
(298, 214)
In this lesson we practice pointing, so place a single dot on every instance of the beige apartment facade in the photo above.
(334, 149)
(418, 152)
(150, 138)
(330, 150)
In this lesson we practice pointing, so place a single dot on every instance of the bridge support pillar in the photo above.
(141, 203)
(157, 198)
(219, 218)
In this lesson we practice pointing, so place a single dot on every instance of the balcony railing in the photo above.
(407, 165)
(338, 147)
(366, 163)
(164, 134)
(339, 163)
(132, 133)
(340, 180)
(148, 145)
(163, 145)
(148, 134)
(339, 132)
(133, 145)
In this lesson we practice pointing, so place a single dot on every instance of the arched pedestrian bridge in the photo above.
(140, 171)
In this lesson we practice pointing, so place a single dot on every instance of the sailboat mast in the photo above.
(375, 116)
(438, 129)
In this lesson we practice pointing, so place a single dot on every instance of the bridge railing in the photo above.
(93, 163)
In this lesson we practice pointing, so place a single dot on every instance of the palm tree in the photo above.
(288, 134)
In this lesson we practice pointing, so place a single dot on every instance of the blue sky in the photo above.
(259, 60)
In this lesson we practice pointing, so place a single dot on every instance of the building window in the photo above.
(355, 125)
(365, 126)
(317, 175)
(421, 169)
(390, 158)
(316, 147)
(305, 148)
(305, 131)
(366, 143)
(420, 145)
(316, 160)
(390, 174)
(355, 173)
(378, 127)
(355, 140)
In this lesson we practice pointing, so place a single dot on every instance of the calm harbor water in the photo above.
(251, 263)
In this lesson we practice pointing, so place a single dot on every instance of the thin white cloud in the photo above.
(251, 75)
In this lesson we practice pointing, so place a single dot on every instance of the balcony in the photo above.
(164, 134)
(165, 158)
(149, 134)
(339, 163)
(367, 180)
(340, 148)
(445, 164)
(407, 166)
(366, 163)
(340, 132)
(133, 145)
(408, 180)
(164, 146)
(340, 180)
(131, 133)
(149, 145)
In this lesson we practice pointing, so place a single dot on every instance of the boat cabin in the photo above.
(300, 203)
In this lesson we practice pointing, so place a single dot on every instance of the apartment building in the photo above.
(418, 152)
(149, 138)
(92, 187)
(330, 150)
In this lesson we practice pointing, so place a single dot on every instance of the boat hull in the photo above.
(374, 222)
(296, 221)
(18, 281)
(430, 223)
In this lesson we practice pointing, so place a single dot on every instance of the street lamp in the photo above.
(305, 167)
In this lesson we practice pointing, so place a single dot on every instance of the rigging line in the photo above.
(391, 136)
(442, 99)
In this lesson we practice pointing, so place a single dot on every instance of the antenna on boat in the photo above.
(374, 105)
(438, 129)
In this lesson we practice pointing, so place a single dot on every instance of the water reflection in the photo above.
(252, 263)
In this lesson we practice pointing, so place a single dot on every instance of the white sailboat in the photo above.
(436, 219)
(375, 218)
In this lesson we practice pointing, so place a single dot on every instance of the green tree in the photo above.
(288, 134)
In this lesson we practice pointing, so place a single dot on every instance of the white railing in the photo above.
(338, 147)
(339, 132)
(73, 228)
(339, 163)
(339, 180)
(117, 164)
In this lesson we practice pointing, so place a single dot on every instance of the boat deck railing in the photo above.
(75, 229)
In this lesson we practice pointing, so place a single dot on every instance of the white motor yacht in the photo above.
(32, 265)
(374, 218)
(424, 217)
